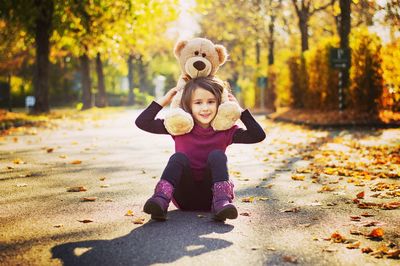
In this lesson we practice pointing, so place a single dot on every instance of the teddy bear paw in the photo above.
(227, 115)
(178, 122)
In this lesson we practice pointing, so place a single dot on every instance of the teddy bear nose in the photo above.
(199, 65)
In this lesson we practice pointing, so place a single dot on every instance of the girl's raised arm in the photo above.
(146, 120)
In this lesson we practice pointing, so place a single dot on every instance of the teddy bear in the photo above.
(199, 57)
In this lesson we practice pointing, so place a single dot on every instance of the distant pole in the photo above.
(340, 92)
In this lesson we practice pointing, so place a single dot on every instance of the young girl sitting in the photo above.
(196, 177)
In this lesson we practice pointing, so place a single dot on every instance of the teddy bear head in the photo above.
(199, 57)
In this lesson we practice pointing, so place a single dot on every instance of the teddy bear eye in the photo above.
(196, 53)
(203, 54)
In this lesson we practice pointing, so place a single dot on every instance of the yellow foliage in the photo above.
(366, 81)
(391, 70)
(247, 94)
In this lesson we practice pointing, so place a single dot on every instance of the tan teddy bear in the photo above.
(199, 57)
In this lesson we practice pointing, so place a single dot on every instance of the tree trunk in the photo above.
(344, 32)
(102, 97)
(345, 23)
(86, 82)
(131, 96)
(43, 25)
(271, 41)
(142, 75)
(303, 24)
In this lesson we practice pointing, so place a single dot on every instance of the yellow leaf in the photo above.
(248, 199)
(129, 213)
(298, 177)
(138, 221)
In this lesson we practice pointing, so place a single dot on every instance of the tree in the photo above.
(304, 10)
(36, 17)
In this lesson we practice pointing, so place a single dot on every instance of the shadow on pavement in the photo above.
(183, 234)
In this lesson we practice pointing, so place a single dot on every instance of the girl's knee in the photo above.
(217, 156)
(180, 158)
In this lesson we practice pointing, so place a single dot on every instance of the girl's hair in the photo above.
(211, 84)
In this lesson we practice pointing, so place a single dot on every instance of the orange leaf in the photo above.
(376, 233)
(360, 195)
(337, 237)
(76, 162)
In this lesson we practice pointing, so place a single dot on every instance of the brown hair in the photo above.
(211, 84)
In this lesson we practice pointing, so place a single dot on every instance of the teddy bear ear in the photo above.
(178, 47)
(222, 53)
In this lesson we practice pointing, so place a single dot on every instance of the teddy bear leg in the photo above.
(227, 115)
(178, 122)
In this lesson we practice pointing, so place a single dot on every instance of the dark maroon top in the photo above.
(198, 143)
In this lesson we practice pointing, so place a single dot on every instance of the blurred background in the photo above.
(303, 54)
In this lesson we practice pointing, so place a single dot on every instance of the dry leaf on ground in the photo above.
(76, 162)
(89, 199)
(376, 233)
(129, 213)
(76, 189)
(85, 221)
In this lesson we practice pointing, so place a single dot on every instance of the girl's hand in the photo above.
(232, 98)
(167, 98)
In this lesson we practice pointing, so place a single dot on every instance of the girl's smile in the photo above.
(204, 107)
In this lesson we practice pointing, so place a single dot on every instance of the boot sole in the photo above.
(155, 211)
(227, 213)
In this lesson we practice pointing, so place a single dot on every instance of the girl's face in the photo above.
(204, 107)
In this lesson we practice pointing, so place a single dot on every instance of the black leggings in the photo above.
(190, 194)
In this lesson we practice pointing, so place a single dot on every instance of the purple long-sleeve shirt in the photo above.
(198, 143)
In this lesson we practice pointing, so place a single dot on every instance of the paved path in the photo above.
(119, 165)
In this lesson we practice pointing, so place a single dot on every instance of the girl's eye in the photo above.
(212, 101)
(203, 54)
(196, 53)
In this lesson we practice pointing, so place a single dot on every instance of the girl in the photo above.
(196, 176)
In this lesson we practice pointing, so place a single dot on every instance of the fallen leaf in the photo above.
(245, 214)
(304, 225)
(330, 250)
(393, 253)
(291, 259)
(360, 195)
(366, 214)
(63, 156)
(102, 178)
(18, 161)
(376, 233)
(85, 221)
(58, 225)
(355, 218)
(355, 245)
(248, 199)
(50, 150)
(298, 177)
(138, 221)
(105, 186)
(366, 250)
(89, 199)
(76, 189)
(295, 209)
(129, 213)
(356, 232)
(337, 238)
(22, 185)
(76, 162)
(371, 223)
(262, 198)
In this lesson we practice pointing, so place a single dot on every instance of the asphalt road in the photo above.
(285, 222)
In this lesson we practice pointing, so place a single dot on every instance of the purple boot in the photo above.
(158, 204)
(222, 206)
